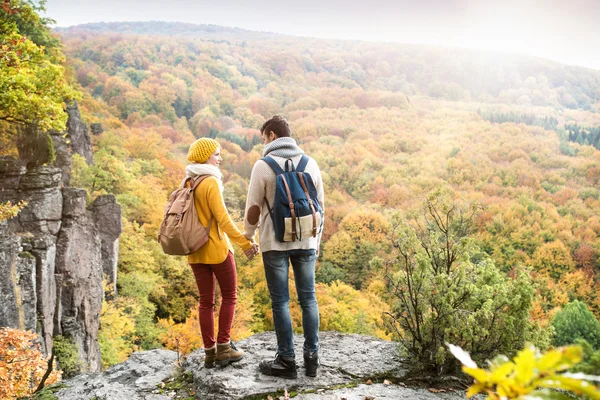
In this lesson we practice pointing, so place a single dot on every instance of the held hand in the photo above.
(252, 251)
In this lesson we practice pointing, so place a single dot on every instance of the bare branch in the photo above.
(48, 371)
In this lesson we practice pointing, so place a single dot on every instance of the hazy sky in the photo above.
(566, 31)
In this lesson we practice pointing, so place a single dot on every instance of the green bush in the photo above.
(35, 147)
(328, 272)
(591, 359)
(446, 290)
(67, 356)
(576, 321)
(589, 192)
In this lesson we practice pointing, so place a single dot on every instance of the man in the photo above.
(277, 255)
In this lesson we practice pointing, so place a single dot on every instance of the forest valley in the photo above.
(462, 188)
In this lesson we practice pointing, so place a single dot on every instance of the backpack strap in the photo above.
(273, 164)
(310, 202)
(270, 210)
(292, 210)
(302, 164)
(195, 182)
(289, 165)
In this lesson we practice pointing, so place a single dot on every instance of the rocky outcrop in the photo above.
(54, 254)
(78, 133)
(348, 363)
(109, 230)
(17, 288)
(137, 378)
(79, 265)
(75, 141)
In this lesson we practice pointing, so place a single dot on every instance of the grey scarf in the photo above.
(285, 147)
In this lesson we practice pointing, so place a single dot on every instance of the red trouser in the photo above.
(205, 280)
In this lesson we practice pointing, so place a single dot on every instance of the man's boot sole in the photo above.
(224, 363)
(311, 374)
(280, 374)
(286, 375)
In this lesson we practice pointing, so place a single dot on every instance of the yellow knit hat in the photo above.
(201, 149)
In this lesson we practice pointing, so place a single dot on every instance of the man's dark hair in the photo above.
(278, 125)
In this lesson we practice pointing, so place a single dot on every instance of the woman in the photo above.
(215, 258)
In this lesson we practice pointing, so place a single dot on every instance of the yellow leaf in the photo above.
(525, 366)
(500, 372)
(573, 354)
(510, 389)
(479, 374)
(475, 389)
(550, 360)
(576, 386)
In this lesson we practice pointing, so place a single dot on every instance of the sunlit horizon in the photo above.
(556, 30)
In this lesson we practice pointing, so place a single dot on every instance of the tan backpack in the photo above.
(181, 232)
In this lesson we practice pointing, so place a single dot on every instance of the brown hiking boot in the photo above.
(228, 353)
(210, 356)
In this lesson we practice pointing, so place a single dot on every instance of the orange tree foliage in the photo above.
(385, 127)
(22, 364)
(183, 338)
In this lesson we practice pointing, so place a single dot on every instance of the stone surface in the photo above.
(138, 378)
(79, 287)
(17, 290)
(377, 391)
(74, 141)
(348, 362)
(74, 202)
(78, 133)
(40, 178)
(10, 166)
(52, 255)
(26, 282)
(9, 312)
(42, 205)
(107, 214)
(8, 195)
(11, 171)
(64, 159)
(343, 358)
(44, 250)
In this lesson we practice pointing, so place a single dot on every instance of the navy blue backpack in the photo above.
(296, 212)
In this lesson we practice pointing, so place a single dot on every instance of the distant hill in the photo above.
(447, 73)
(204, 31)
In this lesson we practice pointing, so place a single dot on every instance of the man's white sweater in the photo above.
(262, 185)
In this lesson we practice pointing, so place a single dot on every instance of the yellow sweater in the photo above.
(209, 202)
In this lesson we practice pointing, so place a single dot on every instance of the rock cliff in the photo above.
(55, 253)
(353, 367)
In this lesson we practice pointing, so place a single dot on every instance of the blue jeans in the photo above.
(277, 271)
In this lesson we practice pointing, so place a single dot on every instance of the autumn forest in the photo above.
(462, 188)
